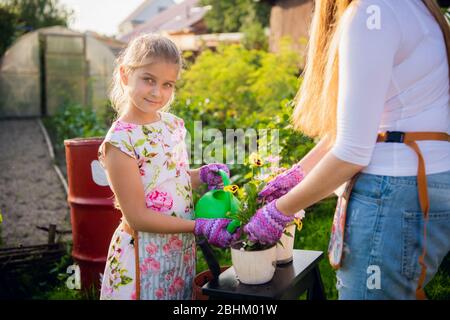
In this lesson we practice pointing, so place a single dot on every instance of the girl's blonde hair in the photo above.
(141, 51)
(316, 101)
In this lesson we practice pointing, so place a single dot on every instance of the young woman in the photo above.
(376, 82)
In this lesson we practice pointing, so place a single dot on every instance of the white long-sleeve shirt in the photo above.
(393, 76)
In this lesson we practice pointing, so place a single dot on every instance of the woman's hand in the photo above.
(282, 183)
(209, 175)
(215, 231)
(267, 224)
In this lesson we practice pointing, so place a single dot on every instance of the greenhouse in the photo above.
(45, 69)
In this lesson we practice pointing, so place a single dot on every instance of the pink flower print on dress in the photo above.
(175, 243)
(151, 249)
(190, 270)
(121, 126)
(108, 291)
(159, 201)
(133, 295)
(166, 248)
(186, 258)
(169, 275)
(176, 286)
(180, 165)
(152, 264)
(159, 293)
(144, 268)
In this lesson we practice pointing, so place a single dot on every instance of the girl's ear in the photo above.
(123, 75)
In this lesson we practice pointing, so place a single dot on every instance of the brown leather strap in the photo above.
(409, 139)
(126, 227)
(418, 136)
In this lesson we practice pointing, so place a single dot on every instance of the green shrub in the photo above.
(75, 121)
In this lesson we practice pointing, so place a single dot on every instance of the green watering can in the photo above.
(217, 203)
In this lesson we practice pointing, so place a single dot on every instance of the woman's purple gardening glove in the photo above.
(267, 224)
(209, 175)
(215, 231)
(282, 183)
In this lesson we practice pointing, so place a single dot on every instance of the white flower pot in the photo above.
(285, 252)
(254, 267)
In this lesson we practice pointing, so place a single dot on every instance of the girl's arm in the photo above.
(195, 178)
(125, 181)
(324, 178)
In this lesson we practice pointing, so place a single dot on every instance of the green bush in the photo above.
(75, 121)
(240, 88)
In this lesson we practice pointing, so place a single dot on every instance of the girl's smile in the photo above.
(150, 88)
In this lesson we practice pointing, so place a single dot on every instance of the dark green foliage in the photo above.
(21, 16)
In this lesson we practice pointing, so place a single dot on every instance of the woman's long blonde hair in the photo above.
(141, 51)
(316, 102)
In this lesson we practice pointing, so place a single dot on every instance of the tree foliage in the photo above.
(21, 16)
(232, 15)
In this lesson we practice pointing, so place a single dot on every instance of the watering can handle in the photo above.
(233, 225)
(225, 179)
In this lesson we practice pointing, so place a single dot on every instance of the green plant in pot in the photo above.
(254, 262)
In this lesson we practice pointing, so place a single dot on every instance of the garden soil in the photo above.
(31, 193)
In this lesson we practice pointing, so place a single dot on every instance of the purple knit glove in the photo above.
(282, 183)
(215, 231)
(267, 224)
(209, 175)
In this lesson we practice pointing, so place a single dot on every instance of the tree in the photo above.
(22, 16)
(232, 15)
(7, 28)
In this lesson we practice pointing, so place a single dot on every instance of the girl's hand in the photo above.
(215, 231)
(282, 183)
(267, 224)
(209, 175)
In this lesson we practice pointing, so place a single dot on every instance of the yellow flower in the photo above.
(255, 160)
(232, 188)
(1, 217)
(299, 224)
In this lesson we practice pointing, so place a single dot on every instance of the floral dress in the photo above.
(166, 261)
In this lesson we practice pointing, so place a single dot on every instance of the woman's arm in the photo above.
(313, 157)
(195, 178)
(324, 178)
(125, 181)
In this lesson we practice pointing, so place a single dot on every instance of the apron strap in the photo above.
(410, 138)
(136, 265)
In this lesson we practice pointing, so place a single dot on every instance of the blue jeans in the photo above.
(384, 236)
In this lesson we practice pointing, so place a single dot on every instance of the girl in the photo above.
(152, 252)
(374, 66)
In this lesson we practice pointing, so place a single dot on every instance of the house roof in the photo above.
(132, 16)
(177, 17)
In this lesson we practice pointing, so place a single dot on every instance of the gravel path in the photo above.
(30, 192)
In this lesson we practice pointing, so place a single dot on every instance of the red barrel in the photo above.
(93, 216)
